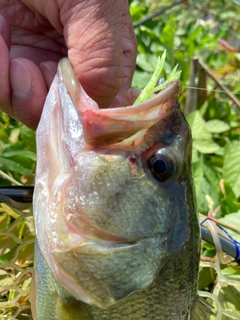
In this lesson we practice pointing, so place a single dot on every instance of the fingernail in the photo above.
(51, 66)
(2, 24)
(49, 70)
(21, 79)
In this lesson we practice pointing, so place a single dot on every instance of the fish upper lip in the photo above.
(75, 89)
(171, 90)
(111, 126)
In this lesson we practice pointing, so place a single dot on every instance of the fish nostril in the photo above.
(176, 129)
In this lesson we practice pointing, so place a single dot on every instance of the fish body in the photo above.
(114, 208)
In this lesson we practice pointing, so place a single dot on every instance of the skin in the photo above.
(96, 35)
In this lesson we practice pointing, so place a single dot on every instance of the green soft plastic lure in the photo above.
(152, 86)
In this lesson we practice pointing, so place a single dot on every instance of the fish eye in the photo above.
(161, 166)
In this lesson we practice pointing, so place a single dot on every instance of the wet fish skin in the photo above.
(114, 242)
(49, 299)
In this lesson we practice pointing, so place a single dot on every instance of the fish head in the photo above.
(113, 194)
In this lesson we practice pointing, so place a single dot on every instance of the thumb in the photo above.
(95, 35)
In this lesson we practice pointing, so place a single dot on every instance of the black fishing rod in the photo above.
(20, 198)
(22, 194)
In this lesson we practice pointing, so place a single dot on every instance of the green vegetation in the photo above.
(204, 40)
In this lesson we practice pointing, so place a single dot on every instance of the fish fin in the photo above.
(71, 309)
(201, 310)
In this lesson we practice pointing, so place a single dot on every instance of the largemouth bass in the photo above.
(114, 208)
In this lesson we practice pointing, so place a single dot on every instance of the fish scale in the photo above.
(160, 302)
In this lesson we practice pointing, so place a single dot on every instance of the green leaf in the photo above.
(231, 168)
(7, 256)
(229, 202)
(5, 220)
(140, 78)
(167, 38)
(234, 124)
(198, 173)
(3, 136)
(137, 12)
(202, 138)
(229, 298)
(203, 187)
(197, 125)
(14, 135)
(26, 255)
(205, 146)
(234, 220)
(14, 166)
(211, 176)
(147, 62)
(10, 152)
(206, 278)
(217, 126)
(28, 137)
(231, 272)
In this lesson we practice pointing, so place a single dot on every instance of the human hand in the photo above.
(96, 35)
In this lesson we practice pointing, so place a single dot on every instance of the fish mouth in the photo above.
(92, 236)
(108, 126)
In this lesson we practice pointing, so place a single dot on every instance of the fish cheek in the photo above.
(96, 193)
(112, 197)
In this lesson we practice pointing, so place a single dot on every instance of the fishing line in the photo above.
(210, 90)
(162, 80)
